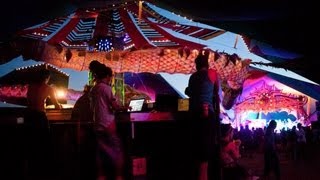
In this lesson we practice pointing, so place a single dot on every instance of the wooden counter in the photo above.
(158, 138)
(59, 114)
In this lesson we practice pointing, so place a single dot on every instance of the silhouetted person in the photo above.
(271, 159)
(82, 114)
(37, 125)
(247, 141)
(292, 140)
(301, 142)
(204, 108)
(39, 91)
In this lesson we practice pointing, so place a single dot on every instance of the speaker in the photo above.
(317, 105)
(166, 102)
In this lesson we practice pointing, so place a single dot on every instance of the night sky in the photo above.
(19, 14)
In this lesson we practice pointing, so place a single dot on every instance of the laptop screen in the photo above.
(136, 105)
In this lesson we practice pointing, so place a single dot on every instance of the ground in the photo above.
(306, 169)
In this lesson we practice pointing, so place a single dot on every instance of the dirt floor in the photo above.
(305, 168)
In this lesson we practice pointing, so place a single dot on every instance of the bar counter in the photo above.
(156, 144)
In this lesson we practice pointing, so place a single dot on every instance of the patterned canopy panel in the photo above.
(139, 38)
(271, 99)
(153, 60)
(85, 27)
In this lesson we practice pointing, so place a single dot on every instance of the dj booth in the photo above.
(156, 144)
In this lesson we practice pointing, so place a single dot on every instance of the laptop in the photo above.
(136, 105)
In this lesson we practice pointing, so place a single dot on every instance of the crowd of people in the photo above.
(292, 142)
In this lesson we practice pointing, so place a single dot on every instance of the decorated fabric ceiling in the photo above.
(128, 37)
(124, 24)
(115, 27)
(269, 98)
(136, 36)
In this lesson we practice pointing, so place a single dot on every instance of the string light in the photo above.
(41, 64)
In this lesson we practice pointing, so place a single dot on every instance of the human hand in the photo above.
(126, 108)
(58, 106)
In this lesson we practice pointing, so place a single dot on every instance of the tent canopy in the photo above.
(130, 37)
(26, 75)
(138, 37)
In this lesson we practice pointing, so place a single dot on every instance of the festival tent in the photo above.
(141, 37)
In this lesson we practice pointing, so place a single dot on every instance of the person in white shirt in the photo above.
(104, 104)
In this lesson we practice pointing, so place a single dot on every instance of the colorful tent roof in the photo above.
(137, 37)
(125, 24)
(26, 75)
